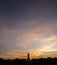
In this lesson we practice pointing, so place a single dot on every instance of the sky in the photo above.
(28, 26)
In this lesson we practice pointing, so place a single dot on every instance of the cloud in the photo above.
(12, 54)
(40, 33)
(28, 27)
(48, 54)
(32, 35)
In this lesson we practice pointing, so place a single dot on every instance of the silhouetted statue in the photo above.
(28, 56)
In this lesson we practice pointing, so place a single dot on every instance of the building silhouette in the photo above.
(28, 56)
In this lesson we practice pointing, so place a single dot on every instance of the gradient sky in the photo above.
(28, 26)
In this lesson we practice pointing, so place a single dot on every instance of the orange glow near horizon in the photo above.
(33, 54)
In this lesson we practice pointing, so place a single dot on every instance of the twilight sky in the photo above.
(28, 26)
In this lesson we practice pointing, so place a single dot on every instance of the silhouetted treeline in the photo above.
(41, 61)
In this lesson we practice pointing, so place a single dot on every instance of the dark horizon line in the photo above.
(30, 59)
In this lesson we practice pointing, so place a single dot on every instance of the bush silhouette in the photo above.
(41, 61)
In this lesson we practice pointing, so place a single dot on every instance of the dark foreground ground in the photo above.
(41, 61)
